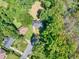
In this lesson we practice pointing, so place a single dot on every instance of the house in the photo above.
(2, 54)
(8, 41)
(37, 23)
(23, 30)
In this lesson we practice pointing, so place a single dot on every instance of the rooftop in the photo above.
(8, 41)
(37, 23)
(23, 30)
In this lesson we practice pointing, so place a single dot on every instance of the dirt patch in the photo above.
(35, 7)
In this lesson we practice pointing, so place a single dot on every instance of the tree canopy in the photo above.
(54, 42)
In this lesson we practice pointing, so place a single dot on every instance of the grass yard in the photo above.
(20, 44)
(29, 33)
(12, 56)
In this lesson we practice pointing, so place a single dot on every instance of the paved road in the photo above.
(27, 51)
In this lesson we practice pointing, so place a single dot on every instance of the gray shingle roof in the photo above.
(37, 23)
(8, 41)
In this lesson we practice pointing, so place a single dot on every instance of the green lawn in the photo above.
(20, 44)
(29, 33)
(12, 56)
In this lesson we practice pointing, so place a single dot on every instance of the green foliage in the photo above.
(44, 15)
(47, 4)
(54, 42)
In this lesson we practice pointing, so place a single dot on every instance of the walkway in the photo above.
(14, 49)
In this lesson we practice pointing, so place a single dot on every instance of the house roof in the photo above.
(2, 54)
(23, 30)
(8, 41)
(37, 23)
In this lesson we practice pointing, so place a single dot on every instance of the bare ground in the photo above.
(35, 7)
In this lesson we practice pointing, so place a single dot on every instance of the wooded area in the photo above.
(59, 37)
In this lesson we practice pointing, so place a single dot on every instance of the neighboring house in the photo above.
(2, 54)
(8, 41)
(37, 23)
(23, 30)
